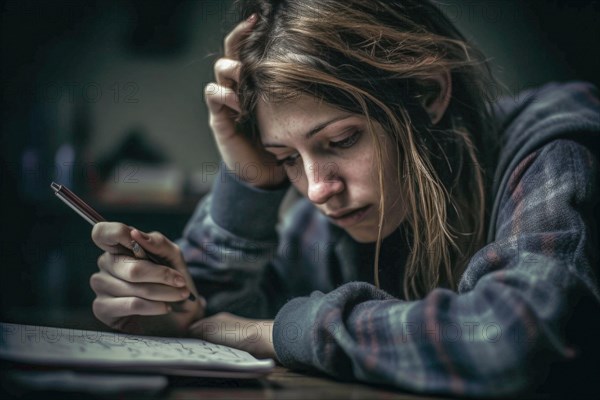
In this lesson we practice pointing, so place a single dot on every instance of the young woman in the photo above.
(443, 240)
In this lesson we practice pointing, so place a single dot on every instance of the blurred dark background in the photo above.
(106, 98)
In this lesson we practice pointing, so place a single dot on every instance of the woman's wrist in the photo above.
(251, 335)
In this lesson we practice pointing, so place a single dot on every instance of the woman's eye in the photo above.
(343, 144)
(348, 142)
(289, 161)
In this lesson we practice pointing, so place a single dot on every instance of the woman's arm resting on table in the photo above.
(252, 335)
(506, 322)
(229, 246)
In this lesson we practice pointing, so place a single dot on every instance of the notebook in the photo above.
(97, 350)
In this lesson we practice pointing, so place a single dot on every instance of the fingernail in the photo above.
(135, 247)
(184, 293)
(169, 308)
(251, 18)
(179, 281)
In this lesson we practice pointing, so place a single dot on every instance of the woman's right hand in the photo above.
(136, 295)
(236, 148)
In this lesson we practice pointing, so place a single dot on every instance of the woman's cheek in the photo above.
(297, 177)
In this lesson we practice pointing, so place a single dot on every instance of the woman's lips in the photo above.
(351, 218)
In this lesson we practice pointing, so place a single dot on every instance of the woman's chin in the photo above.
(370, 235)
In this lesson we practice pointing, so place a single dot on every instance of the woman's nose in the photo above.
(323, 182)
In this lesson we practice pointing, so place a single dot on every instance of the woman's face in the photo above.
(329, 156)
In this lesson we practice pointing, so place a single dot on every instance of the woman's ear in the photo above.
(436, 96)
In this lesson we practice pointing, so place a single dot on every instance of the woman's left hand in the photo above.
(252, 335)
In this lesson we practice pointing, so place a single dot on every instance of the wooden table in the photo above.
(283, 383)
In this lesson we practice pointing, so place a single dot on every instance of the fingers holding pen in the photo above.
(134, 270)
(159, 245)
(110, 309)
(164, 249)
(105, 284)
(112, 237)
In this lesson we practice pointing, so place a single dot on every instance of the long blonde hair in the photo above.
(377, 58)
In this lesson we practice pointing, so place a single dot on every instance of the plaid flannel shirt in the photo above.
(513, 312)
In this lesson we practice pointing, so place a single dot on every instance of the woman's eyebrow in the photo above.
(314, 130)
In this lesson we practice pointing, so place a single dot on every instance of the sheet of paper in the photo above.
(95, 349)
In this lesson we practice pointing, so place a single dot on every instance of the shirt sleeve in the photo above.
(229, 245)
(508, 319)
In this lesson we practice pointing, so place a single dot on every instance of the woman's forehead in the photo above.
(295, 118)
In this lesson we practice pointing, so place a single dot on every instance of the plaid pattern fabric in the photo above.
(515, 300)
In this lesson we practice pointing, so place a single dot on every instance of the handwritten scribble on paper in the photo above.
(96, 348)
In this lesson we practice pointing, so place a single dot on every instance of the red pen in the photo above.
(92, 216)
